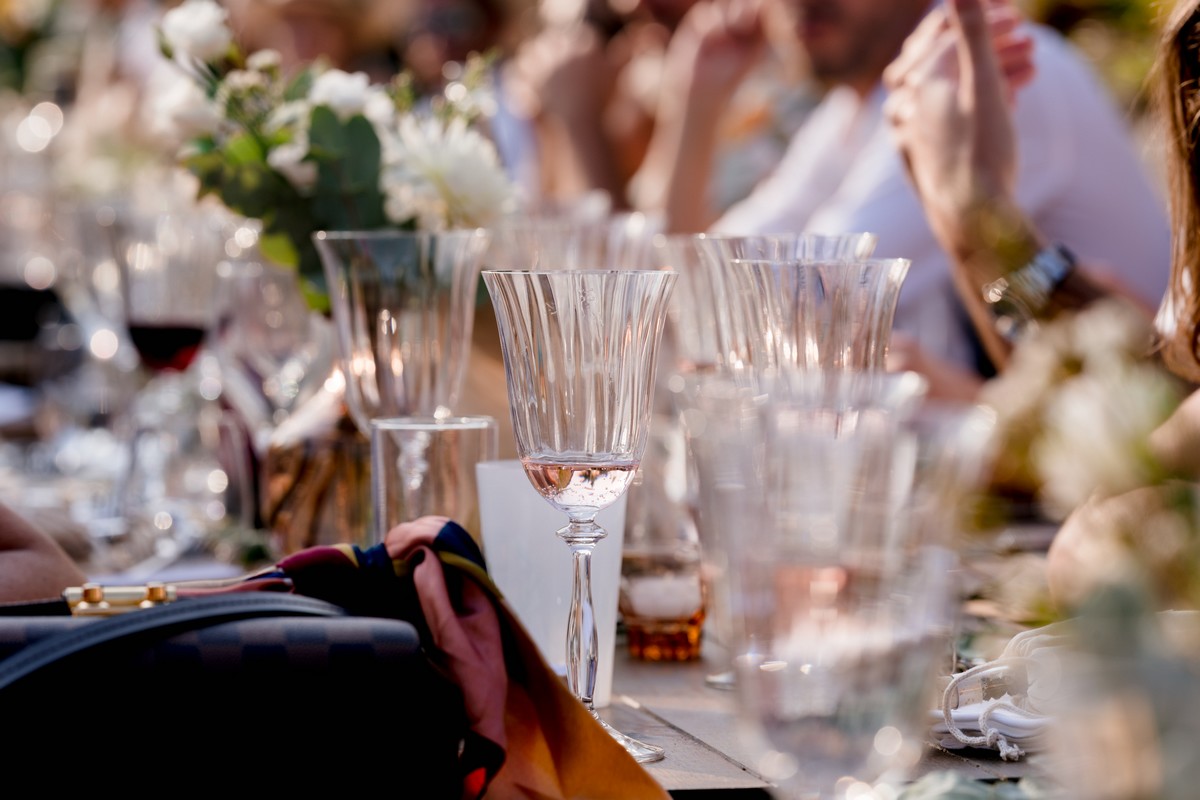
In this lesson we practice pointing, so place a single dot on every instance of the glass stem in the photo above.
(582, 647)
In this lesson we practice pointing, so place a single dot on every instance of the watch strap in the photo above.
(1023, 296)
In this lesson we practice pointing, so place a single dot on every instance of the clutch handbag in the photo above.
(239, 686)
(322, 673)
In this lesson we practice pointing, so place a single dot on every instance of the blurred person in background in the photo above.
(438, 40)
(960, 140)
(594, 80)
(351, 35)
(1078, 178)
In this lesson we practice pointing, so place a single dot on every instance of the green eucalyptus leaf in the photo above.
(316, 296)
(203, 144)
(256, 190)
(347, 155)
(327, 139)
(209, 169)
(299, 86)
(362, 155)
(164, 46)
(243, 148)
(279, 248)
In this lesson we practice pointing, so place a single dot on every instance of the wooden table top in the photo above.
(669, 704)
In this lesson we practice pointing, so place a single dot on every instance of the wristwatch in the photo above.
(1018, 299)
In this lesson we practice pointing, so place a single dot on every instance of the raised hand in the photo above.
(716, 45)
(564, 79)
(950, 91)
(563, 72)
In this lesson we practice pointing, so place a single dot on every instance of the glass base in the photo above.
(642, 753)
(726, 681)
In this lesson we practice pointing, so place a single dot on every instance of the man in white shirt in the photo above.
(1079, 177)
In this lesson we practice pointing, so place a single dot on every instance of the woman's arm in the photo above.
(950, 92)
(32, 566)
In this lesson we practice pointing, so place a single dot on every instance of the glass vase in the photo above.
(403, 303)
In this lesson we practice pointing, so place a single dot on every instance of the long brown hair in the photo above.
(1178, 95)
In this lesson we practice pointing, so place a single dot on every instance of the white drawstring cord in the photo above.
(990, 737)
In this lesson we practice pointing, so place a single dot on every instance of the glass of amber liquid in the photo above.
(663, 590)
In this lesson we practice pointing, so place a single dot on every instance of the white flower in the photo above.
(345, 93)
(380, 109)
(196, 29)
(264, 61)
(293, 115)
(243, 80)
(412, 200)
(288, 160)
(1107, 335)
(456, 161)
(179, 108)
(1097, 429)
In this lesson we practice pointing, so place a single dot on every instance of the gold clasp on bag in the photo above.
(94, 600)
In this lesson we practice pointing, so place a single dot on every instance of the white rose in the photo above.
(264, 61)
(1110, 334)
(179, 108)
(380, 110)
(197, 29)
(289, 115)
(240, 81)
(1097, 434)
(408, 199)
(346, 94)
(288, 160)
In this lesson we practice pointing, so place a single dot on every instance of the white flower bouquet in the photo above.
(1086, 424)
(1077, 406)
(322, 149)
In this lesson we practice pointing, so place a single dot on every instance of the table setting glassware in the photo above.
(274, 352)
(515, 520)
(664, 586)
(425, 466)
(403, 303)
(713, 319)
(580, 350)
(818, 313)
(187, 476)
(844, 606)
(606, 240)
(718, 322)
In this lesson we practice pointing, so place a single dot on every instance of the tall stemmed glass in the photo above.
(580, 350)
(718, 322)
(838, 596)
(186, 471)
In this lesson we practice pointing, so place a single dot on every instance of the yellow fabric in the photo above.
(555, 748)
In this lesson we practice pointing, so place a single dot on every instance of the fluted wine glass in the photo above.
(580, 351)
(821, 314)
